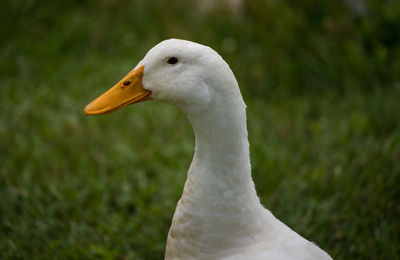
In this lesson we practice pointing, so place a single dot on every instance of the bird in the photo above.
(219, 215)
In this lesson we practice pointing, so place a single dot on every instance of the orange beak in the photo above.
(128, 90)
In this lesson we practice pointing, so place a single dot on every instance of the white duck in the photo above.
(219, 215)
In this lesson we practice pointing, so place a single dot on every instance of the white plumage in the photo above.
(219, 215)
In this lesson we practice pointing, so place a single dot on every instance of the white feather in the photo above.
(219, 215)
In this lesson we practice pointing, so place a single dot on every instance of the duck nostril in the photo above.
(127, 82)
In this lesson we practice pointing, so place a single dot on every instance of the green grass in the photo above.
(321, 84)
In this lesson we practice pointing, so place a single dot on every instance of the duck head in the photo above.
(185, 74)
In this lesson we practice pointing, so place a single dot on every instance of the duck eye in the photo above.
(172, 60)
(127, 82)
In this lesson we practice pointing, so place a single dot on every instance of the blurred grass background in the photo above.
(321, 80)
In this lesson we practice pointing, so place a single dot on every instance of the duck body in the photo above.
(219, 215)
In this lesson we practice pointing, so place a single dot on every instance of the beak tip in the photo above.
(86, 110)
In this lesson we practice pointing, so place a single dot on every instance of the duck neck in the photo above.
(220, 172)
(222, 150)
(219, 207)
